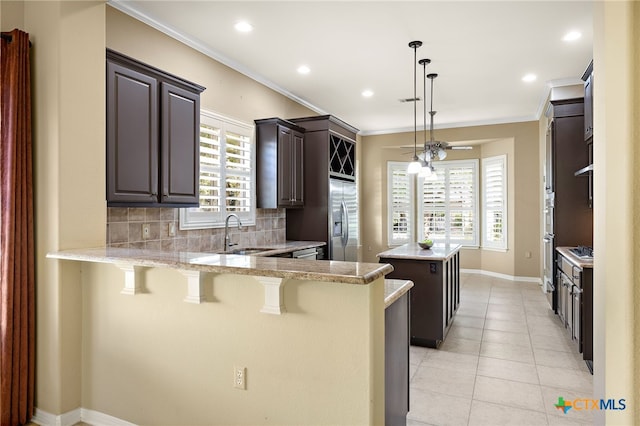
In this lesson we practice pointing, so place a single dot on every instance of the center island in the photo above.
(435, 296)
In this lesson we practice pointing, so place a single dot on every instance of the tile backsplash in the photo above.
(124, 229)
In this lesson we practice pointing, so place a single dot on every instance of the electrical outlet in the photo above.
(146, 231)
(172, 229)
(240, 378)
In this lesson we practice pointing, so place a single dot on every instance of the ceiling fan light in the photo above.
(442, 154)
(425, 171)
(414, 167)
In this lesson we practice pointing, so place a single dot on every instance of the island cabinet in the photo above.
(153, 127)
(280, 165)
(435, 296)
(396, 351)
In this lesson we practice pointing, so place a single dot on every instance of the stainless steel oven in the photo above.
(549, 252)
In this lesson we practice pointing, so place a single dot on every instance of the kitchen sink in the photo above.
(249, 250)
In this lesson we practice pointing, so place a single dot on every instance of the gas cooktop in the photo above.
(583, 252)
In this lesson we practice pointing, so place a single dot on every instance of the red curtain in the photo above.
(17, 286)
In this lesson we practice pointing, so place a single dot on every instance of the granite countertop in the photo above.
(413, 251)
(320, 270)
(577, 261)
(394, 290)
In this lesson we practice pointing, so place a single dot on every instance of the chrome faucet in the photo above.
(227, 237)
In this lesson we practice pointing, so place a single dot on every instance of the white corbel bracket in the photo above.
(132, 278)
(273, 295)
(195, 285)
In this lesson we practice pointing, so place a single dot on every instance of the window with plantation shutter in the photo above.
(227, 174)
(494, 202)
(448, 206)
(443, 206)
(399, 203)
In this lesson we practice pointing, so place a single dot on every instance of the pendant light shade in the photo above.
(415, 165)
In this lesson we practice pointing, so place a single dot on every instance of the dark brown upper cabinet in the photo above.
(153, 126)
(280, 164)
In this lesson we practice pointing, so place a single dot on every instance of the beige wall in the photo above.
(227, 92)
(154, 359)
(68, 93)
(616, 208)
(520, 141)
(11, 15)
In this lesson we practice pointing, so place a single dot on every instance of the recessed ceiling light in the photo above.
(572, 36)
(243, 27)
(367, 93)
(303, 69)
(529, 78)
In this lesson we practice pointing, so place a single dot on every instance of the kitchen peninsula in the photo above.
(276, 318)
(435, 296)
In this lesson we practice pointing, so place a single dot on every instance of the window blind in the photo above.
(227, 174)
(494, 183)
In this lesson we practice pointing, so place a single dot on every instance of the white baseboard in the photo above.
(536, 280)
(70, 418)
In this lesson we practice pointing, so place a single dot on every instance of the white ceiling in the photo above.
(480, 50)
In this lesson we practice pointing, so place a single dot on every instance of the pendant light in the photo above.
(415, 165)
(426, 168)
(436, 148)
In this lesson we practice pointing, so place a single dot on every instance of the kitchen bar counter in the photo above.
(276, 267)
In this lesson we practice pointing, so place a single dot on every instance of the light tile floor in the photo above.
(505, 361)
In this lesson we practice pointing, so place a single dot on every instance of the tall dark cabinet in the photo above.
(153, 128)
(573, 219)
(280, 165)
(587, 171)
(568, 217)
(329, 158)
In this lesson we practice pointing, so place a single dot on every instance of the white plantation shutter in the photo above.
(434, 208)
(238, 174)
(227, 174)
(448, 210)
(494, 184)
(399, 203)
(210, 173)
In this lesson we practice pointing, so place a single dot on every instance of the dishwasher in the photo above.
(308, 254)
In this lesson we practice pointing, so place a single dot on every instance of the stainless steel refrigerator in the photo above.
(343, 221)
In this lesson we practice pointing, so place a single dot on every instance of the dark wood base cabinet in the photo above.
(575, 301)
(396, 351)
(435, 296)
